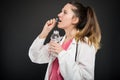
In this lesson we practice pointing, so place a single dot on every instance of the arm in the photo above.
(83, 69)
(38, 52)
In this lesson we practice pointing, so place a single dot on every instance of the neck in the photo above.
(70, 33)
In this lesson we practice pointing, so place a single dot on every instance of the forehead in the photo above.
(68, 7)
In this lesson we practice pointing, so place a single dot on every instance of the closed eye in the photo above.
(65, 12)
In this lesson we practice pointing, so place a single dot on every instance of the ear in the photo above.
(75, 20)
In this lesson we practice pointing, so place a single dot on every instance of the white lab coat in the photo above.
(82, 69)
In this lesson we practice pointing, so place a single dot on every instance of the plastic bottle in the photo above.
(55, 37)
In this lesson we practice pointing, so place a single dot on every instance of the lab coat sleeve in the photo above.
(83, 68)
(38, 52)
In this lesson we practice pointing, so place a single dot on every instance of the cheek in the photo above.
(65, 23)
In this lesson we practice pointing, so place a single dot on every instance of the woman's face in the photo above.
(66, 16)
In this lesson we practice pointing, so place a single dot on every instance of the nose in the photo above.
(59, 15)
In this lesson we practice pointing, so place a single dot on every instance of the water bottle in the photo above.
(55, 37)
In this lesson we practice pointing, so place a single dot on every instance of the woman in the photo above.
(76, 51)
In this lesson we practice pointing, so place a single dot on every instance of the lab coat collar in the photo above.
(63, 38)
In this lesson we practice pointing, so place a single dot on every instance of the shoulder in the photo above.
(86, 45)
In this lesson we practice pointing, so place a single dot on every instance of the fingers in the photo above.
(55, 47)
(49, 25)
(52, 49)
(51, 22)
(52, 45)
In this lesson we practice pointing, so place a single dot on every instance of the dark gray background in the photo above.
(22, 21)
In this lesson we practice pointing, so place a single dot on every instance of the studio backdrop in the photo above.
(22, 21)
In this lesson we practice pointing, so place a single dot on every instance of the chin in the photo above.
(60, 27)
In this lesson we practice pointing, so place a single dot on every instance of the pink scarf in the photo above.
(55, 72)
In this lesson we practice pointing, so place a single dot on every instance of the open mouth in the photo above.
(58, 20)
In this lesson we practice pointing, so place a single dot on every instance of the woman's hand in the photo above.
(55, 47)
(49, 25)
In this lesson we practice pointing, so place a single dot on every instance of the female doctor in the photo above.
(76, 51)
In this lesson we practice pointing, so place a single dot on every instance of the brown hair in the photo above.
(88, 24)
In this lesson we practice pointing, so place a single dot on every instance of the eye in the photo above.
(65, 12)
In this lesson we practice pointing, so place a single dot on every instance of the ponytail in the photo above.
(90, 29)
